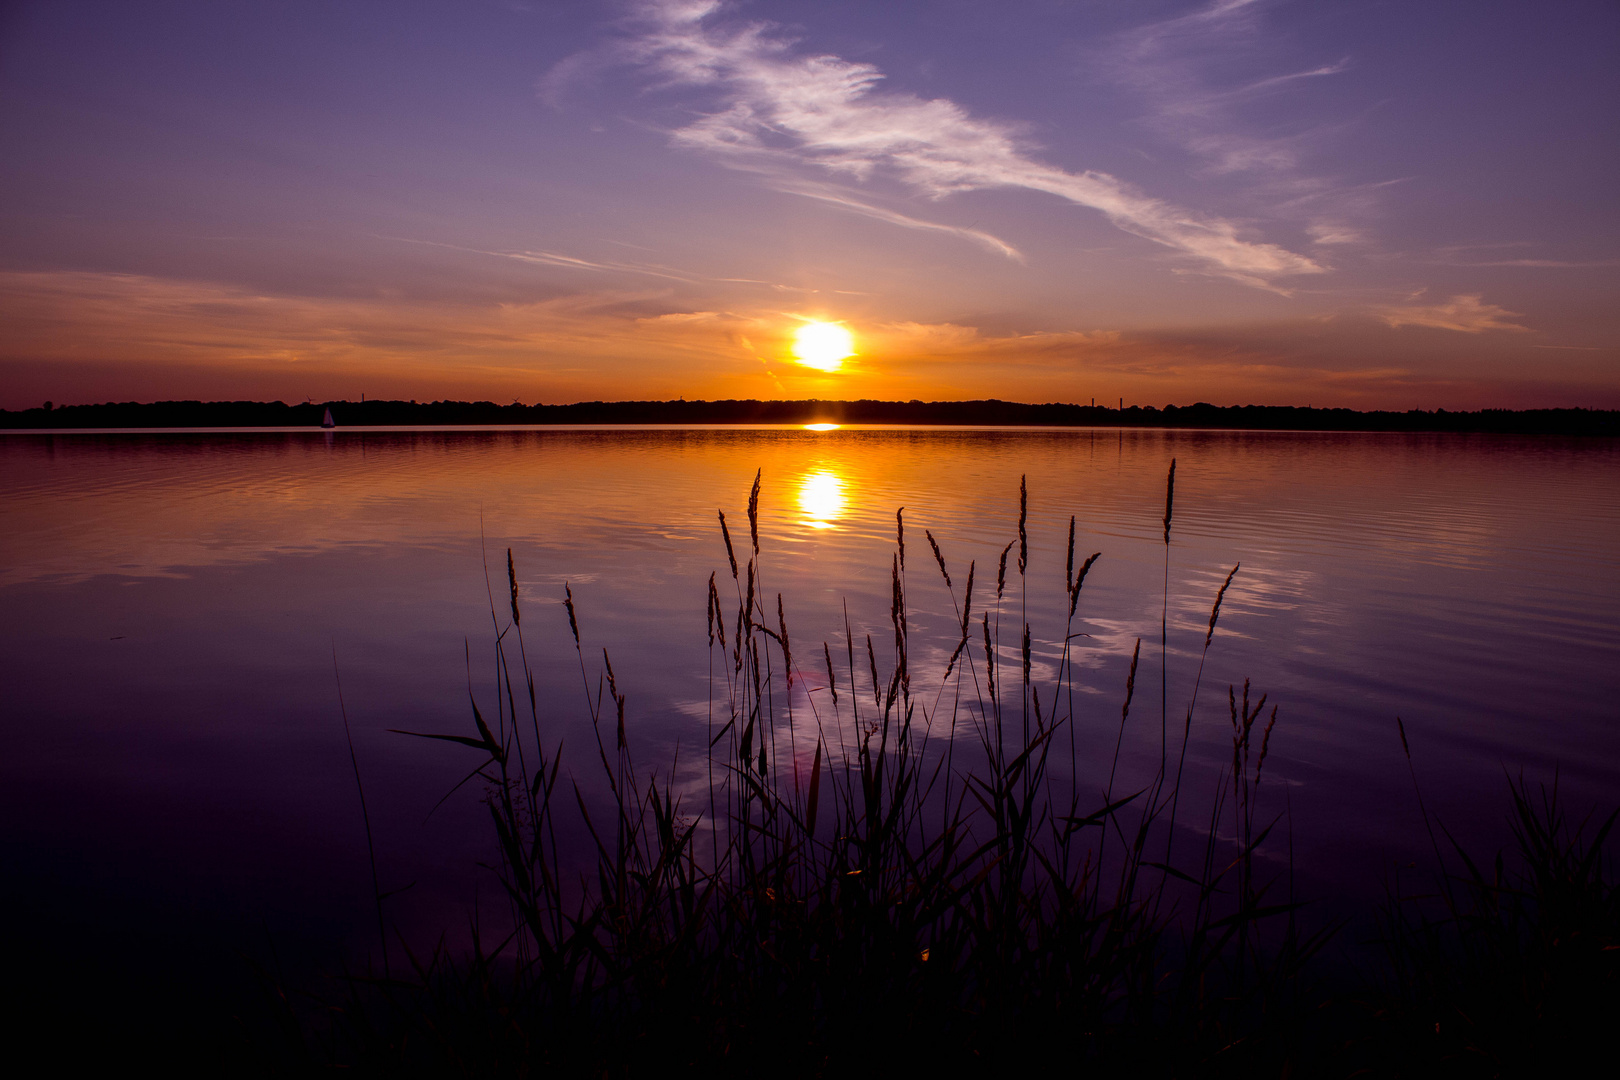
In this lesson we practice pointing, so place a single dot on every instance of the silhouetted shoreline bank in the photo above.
(992, 412)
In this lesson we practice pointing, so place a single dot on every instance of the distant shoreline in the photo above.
(988, 413)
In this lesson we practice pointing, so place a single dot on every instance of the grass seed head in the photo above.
(938, 557)
(1169, 498)
(1215, 612)
(1023, 518)
(511, 579)
(730, 554)
(753, 511)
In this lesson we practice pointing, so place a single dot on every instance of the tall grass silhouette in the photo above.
(874, 873)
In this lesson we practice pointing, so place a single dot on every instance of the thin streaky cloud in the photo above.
(827, 195)
(1327, 232)
(1199, 21)
(779, 287)
(551, 258)
(1493, 246)
(1466, 314)
(823, 111)
(790, 182)
(1205, 103)
(1542, 264)
(1281, 80)
(1319, 192)
(548, 258)
(570, 262)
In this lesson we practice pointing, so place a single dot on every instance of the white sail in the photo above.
(327, 420)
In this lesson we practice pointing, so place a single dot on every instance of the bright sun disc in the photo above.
(823, 345)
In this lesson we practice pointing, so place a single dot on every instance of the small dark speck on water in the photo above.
(120, 637)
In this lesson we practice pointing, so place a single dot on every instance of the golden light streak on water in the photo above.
(821, 498)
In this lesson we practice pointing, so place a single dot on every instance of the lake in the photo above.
(178, 608)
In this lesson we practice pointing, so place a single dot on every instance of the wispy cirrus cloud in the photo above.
(1201, 77)
(785, 112)
(1502, 254)
(1465, 314)
(1173, 63)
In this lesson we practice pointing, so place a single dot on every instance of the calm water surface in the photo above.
(171, 604)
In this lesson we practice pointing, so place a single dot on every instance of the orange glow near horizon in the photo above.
(823, 345)
(82, 337)
(822, 427)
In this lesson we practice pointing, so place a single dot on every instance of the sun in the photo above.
(823, 345)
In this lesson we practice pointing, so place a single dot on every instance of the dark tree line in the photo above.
(992, 412)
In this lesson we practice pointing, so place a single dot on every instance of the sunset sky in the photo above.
(1367, 203)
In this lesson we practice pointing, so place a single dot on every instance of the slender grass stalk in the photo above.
(365, 816)
(1164, 622)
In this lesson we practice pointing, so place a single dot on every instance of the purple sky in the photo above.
(1370, 203)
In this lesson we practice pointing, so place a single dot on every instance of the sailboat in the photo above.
(327, 421)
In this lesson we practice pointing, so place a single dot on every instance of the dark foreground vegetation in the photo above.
(182, 414)
(864, 874)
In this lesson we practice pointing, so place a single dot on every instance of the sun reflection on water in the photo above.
(821, 498)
